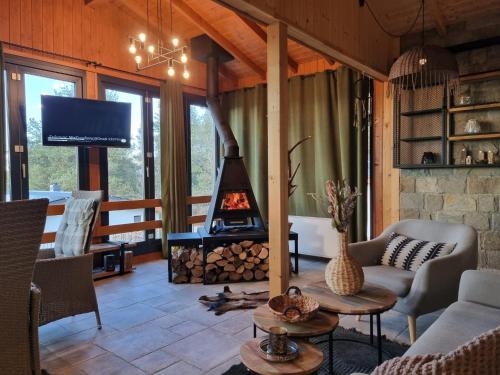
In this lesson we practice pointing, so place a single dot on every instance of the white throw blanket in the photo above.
(74, 228)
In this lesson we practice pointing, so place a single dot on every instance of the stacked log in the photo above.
(187, 265)
(244, 261)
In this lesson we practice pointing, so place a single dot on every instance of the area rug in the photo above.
(348, 357)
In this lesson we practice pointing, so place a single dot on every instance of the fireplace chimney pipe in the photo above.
(231, 148)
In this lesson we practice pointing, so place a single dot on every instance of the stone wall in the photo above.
(460, 195)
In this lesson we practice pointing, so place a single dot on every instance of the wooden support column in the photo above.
(390, 178)
(92, 92)
(277, 119)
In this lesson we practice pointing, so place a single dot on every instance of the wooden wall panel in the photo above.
(68, 28)
(77, 31)
(26, 27)
(4, 22)
(95, 33)
(48, 26)
(15, 22)
(37, 23)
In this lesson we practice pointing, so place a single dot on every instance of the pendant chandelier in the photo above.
(424, 66)
(157, 53)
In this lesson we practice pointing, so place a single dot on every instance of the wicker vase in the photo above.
(343, 274)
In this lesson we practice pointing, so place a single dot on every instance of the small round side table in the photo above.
(323, 323)
(372, 300)
(308, 361)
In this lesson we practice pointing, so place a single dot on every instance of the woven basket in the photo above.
(293, 308)
(343, 274)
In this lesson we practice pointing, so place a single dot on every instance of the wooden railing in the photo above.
(197, 200)
(106, 230)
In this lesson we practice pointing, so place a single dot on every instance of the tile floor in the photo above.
(153, 327)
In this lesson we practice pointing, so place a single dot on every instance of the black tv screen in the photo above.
(82, 122)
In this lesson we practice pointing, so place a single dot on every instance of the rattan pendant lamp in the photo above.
(424, 66)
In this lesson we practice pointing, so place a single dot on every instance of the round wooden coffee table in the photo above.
(323, 323)
(308, 361)
(371, 300)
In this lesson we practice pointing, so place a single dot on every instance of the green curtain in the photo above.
(321, 106)
(3, 132)
(173, 158)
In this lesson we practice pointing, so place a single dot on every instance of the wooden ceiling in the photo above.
(397, 16)
(245, 39)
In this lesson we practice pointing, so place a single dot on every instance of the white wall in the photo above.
(316, 236)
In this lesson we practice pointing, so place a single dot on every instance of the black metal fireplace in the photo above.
(233, 206)
(232, 245)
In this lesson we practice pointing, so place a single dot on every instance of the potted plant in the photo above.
(343, 274)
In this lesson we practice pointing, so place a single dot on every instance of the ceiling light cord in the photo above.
(171, 20)
(423, 22)
(387, 31)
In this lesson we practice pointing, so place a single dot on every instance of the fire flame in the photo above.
(235, 201)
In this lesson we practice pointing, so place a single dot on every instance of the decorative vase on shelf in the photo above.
(343, 274)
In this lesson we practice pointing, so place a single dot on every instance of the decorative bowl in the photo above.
(293, 308)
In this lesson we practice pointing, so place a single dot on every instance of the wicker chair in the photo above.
(66, 282)
(22, 224)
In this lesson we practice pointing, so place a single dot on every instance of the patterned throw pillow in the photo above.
(409, 254)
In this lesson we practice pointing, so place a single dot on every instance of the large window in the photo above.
(34, 170)
(126, 166)
(53, 170)
(131, 173)
(202, 151)
(157, 159)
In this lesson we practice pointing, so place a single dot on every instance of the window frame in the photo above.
(191, 99)
(16, 99)
(147, 92)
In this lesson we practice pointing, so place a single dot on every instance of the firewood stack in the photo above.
(237, 262)
(187, 265)
(244, 261)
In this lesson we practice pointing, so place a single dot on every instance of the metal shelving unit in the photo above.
(425, 122)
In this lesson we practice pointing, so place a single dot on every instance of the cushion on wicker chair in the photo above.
(409, 254)
(74, 228)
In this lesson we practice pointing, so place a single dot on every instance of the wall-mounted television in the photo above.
(83, 122)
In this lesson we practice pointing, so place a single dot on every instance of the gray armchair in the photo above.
(66, 282)
(435, 284)
(22, 225)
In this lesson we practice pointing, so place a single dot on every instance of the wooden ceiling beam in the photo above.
(200, 22)
(438, 17)
(328, 59)
(292, 64)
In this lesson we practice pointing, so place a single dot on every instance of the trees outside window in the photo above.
(202, 153)
(50, 168)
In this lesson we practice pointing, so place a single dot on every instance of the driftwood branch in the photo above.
(291, 175)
